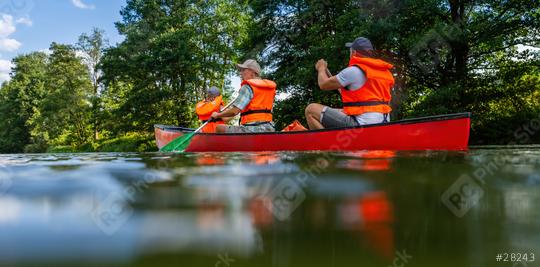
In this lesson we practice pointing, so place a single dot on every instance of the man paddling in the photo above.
(204, 109)
(365, 88)
(254, 102)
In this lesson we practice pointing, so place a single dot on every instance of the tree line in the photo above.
(449, 56)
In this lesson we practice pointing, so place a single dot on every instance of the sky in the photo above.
(32, 25)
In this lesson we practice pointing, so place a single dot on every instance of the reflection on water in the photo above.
(365, 208)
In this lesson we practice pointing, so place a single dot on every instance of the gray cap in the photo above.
(360, 44)
(213, 91)
(250, 64)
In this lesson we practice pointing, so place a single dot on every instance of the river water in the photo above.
(366, 208)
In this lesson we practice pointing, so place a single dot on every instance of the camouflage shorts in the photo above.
(260, 128)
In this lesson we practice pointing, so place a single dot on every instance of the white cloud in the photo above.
(25, 20)
(80, 4)
(5, 69)
(9, 45)
(6, 25)
(5, 66)
(7, 28)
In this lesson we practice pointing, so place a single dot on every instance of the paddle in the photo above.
(182, 142)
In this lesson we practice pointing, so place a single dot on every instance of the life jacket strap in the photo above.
(365, 103)
(253, 111)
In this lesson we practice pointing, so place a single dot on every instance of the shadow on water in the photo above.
(365, 208)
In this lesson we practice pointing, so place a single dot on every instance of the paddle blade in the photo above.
(179, 144)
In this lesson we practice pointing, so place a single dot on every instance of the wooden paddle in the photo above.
(182, 142)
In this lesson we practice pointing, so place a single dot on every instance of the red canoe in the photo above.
(443, 132)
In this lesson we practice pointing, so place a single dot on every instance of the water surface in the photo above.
(365, 208)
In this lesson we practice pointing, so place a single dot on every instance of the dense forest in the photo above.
(449, 56)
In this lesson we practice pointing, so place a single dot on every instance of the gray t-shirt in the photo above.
(352, 78)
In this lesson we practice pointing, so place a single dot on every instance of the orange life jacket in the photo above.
(204, 110)
(294, 127)
(375, 94)
(260, 107)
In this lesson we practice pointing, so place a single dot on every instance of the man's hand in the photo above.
(215, 115)
(324, 78)
(321, 65)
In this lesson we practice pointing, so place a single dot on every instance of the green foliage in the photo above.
(92, 47)
(63, 113)
(47, 102)
(173, 51)
(19, 100)
(96, 97)
(449, 56)
(132, 142)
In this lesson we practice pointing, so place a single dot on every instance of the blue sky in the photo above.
(32, 25)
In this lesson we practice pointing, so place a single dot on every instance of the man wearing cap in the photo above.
(365, 87)
(254, 102)
(204, 109)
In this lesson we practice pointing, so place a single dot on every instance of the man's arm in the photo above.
(244, 98)
(227, 119)
(230, 112)
(326, 82)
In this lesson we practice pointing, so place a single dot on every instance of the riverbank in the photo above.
(133, 142)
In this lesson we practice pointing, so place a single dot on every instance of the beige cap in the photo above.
(250, 64)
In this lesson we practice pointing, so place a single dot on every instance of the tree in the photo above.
(173, 50)
(63, 116)
(19, 98)
(447, 54)
(92, 47)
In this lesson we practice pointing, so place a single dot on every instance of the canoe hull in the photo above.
(446, 132)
